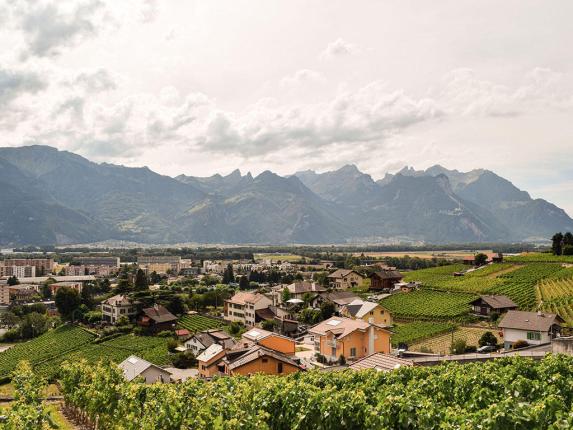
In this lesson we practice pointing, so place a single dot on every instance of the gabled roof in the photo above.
(159, 314)
(210, 337)
(532, 321)
(243, 297)
(497, 302)
(386, 274)
(341, 327)
(256, 352)
(381, 362)
(210, 353)
(256, 334)
(302, 287)
(358, 308)
(340, 297)
(134, 366)
(341, 273)
(118, 300)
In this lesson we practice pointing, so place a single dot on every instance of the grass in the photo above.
(7, 390)
(441, 344)
(409, 333)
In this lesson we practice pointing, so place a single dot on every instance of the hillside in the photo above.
(56, 197)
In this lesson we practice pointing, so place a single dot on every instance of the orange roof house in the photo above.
(352, 339)
(259, 359)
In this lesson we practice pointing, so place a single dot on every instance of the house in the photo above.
(209, 361)
(405, 287)
(78, 286)
(533, 327)
(204, 339)
(353, 339)
(380, 362)
(338, 298)
(259, 359)
(384, 280)
(492, 257)
(22, 293)
(370, 312)
(488, 304)
(182, 334)
(116, 307)
(268, 339)
(135, 367)
(157, 318)
(299, 289)
(242, 306)
(343, 279)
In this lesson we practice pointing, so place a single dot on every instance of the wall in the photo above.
(286, 346)
(268, 368)
(512, 335)
(154, 374)
(562, 345)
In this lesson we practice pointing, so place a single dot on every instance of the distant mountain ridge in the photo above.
(57, 197)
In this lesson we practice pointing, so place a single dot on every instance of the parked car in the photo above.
(487, 349)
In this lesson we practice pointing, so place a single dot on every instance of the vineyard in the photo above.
(538, 257)
(441, 344)
(195, 323)
(419, 330)
(428, 304)
(45, 349)
(508, 393)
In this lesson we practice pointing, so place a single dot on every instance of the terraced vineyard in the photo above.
(441, 344)
(539, 257)
(46, 349)
(416, 331)
(428, 304)
(195, 323)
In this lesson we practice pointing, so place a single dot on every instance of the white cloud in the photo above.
(15, 83)
(338, 48)
(301, 77)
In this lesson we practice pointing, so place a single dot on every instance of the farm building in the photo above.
(488, 304)
(384, 280)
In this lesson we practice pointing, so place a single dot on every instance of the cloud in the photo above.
(95, 81)
(301, 77)
(149, 11)
(48, 27)
(15, 83)
(338, 48)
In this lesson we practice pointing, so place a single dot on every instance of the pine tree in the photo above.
(141, 283)
(557, 246)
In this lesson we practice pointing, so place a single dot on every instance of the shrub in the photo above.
(488, 338)
(471, 348)
(172, 344)
(520, 344)
(458, 346)
(184, 360)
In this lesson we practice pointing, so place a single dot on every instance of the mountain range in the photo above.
(57, 197)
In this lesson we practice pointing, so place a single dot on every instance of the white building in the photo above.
(135, 367)
(116, 307)
(242, 306)
(535, 328)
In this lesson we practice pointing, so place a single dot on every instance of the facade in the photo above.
(161, 262)
(4, 294)
(259, 359)
(353, 339)
(134, 367)
(116, 307)
(488, 304)
(267, 339)
(18, 271)
(78, 286)
(535, 328)
(343, 279)
(492, 257)
(242, 306)
(98, 261)
(338, 298)
(209, 361)
(22, 293)
(384, 280)
(44, 266)
(299, 289)
(369, 312)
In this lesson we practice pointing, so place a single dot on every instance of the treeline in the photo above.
(562, 244)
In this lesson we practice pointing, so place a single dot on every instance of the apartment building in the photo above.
(98, 261)
(160, 263)
(43, 266)
(242, 306)
(18, 271)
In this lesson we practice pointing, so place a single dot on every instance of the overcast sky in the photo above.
(204, 87)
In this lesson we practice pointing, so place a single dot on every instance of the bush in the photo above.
(341, 360)
(11, 335)
(458, 346)
(184, 360)
(520, 344)
(234, 328)
(172, 344)
(165, 333)
(471, 348)
(488, 338)
(568, 250)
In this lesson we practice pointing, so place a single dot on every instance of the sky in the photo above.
(203, 87)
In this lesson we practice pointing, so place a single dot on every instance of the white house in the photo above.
(203, 340)
(535, 328)
(134, 367)
(116, 307)
(242, 306)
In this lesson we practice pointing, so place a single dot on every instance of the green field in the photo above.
(419, 330)
(428, 304)
(539, 257)
(49, 350)
(277, 257)
(195, 323)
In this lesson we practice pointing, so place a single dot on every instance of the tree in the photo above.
(141, 283)
(568, 250)
(488, 338)
(33, 324)
(184, 360)
(557, 243)
(228, 275)
(46, 292)
(9, 320)
(87, 296)
(176, 305)
(568, 239)
(269, 325)
(285, 296)
(12, 280)
(327, 309)
(244, 283)
(480, 259)
(458, 346)
(68, 301)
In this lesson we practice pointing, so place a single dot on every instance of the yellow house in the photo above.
(369, 312)
(353, 339)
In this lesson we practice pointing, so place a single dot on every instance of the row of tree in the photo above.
(562, 244)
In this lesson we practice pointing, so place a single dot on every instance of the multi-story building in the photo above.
(98, 261)
(4, 294)
(18, 271)
(116, 307)
(82, 270)
(352, 339)
(78, 286)
(242, 306)
(22, 293)
(161, 262)
(43, 266)
(343, 279)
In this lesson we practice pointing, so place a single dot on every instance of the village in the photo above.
(274, 314)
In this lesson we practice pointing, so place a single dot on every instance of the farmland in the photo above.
(195, 323)
(416, 331)
(539, 257)
(441, 344)
(428, 304)
(277, 257)
(446, 255)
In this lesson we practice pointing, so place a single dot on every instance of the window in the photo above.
(371, 312)
(279, 367)
(533, 335)
(265, 360)
(353, 352)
